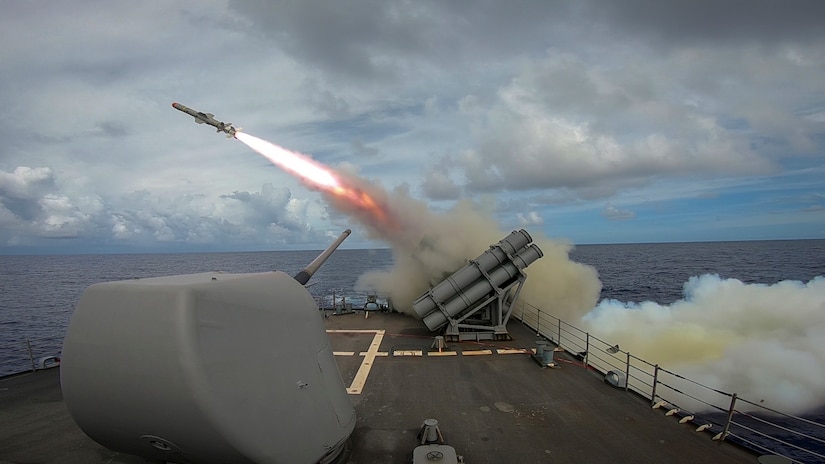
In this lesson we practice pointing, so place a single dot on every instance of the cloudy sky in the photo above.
(597, 122)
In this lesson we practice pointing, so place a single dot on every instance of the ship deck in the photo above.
(493, 402)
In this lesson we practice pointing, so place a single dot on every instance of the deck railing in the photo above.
(727, 416)
(25, 355)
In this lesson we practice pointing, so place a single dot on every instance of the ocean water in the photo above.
(38, 293)
(658, 271)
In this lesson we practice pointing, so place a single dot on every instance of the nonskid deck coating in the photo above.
(495, 407)
(495, 404)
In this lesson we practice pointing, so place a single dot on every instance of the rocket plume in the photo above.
(320, 177)
(294, 163)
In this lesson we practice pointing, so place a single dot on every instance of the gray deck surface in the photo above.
(493, 408)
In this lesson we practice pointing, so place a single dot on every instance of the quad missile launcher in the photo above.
(475, 302)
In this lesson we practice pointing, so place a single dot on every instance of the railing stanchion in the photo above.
(627, 372)
(559, 340)
(586, 349)
(31, 354)
(538, 322)
(729, 419)
(655, 379)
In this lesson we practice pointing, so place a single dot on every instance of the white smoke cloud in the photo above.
(764, 342)
(427, 246)
(437, 185)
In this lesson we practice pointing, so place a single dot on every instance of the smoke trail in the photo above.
(426, 245)
(765, 342)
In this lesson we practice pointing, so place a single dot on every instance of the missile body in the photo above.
(207, 118)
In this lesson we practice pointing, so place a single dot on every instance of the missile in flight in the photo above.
(208, 118)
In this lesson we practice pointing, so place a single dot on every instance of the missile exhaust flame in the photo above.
(294, 163)
(321, 177)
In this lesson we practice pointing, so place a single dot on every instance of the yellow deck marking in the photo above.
(513, 351)
(369, 356)
(354, 331)
(476, 352)
(364, 371)
(408, 353)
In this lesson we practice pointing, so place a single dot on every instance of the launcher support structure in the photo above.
(475, 302)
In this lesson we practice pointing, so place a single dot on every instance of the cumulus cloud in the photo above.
(538, 103)
(593, 120)
(566, 123)
(26, 182)
(268, 217)
(61, 217)
(616, 214)
(36, 205)
(669, 23)
(531, 218)
(32, 206)
(384, 42)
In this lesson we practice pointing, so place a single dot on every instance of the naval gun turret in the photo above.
(207, 368)
(475, 302)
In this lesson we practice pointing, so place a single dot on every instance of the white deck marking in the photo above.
(513, 351)
(441, 353)
(354, 331)
(369, 356)
(378, 354)
(364, 371)
(476, 352)
(408, 353)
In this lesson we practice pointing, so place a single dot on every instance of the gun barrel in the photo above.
(304, 276)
